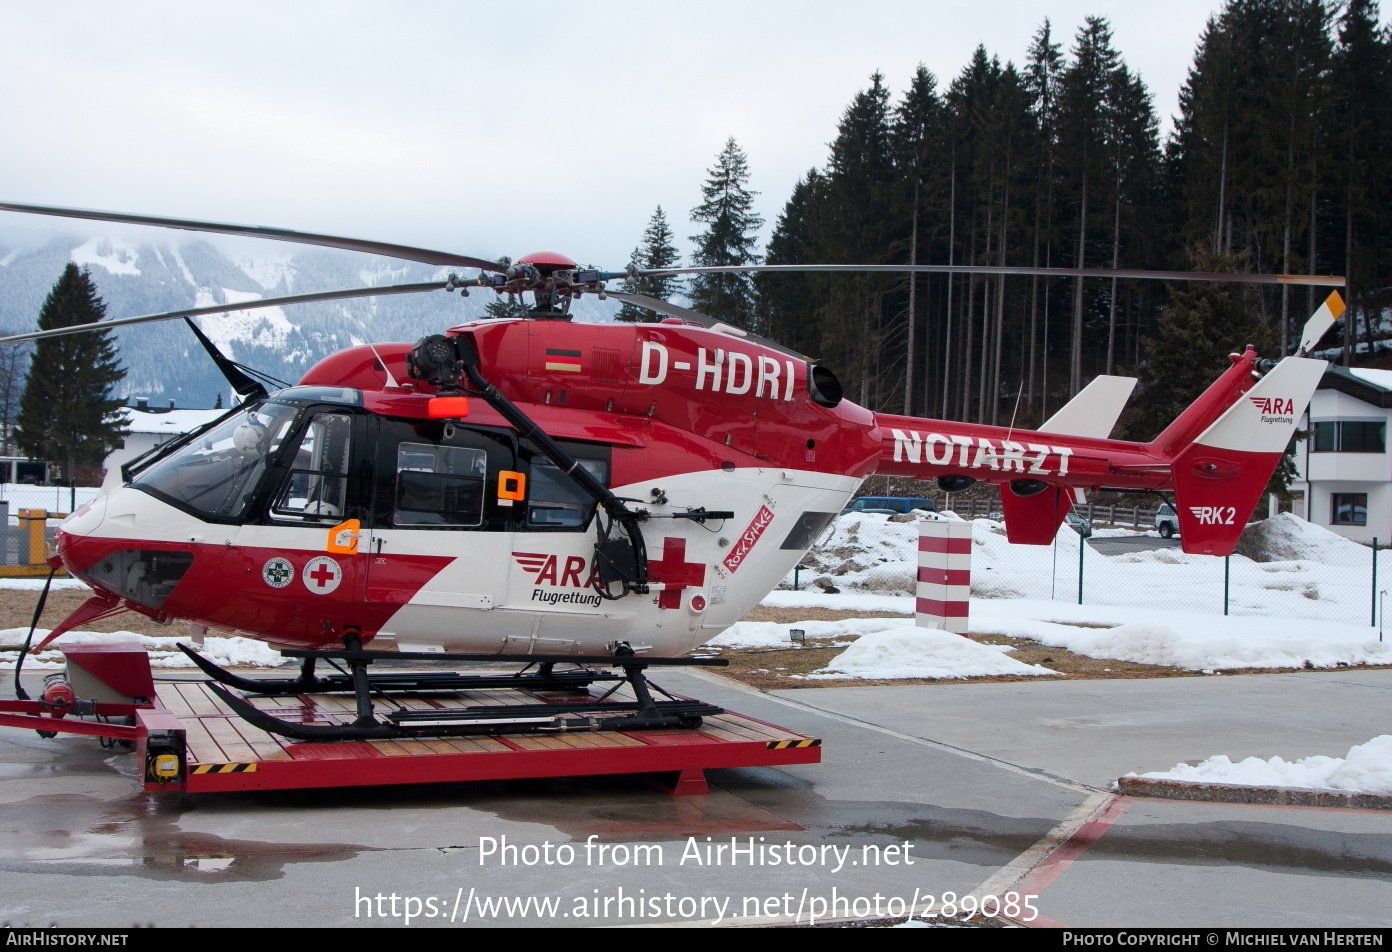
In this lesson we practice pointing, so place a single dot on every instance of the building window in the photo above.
(1347, 436)
(1348, 509)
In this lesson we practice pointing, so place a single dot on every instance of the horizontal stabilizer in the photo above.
(1095, 409)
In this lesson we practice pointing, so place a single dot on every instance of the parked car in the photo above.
(891, 504)
(1166, 521)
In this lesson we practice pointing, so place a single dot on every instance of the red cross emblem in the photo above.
(675, 572)
(321, 575)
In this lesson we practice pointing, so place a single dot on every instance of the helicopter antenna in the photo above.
(391, 381)
(1019, 392)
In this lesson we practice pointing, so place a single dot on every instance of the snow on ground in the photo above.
(115, 256)
(164, 653)
(1307, 608)
(886, 648)
(1304, 571)
(910, 652)
(1367, 768)
(1185, 639)
(768, 634)
(36, 583)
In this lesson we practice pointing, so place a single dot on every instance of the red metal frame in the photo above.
(38, 716)
(360, 765)
(681, 757)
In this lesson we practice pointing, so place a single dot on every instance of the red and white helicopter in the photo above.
(546, 491)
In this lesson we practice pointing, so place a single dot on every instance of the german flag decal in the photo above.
(566, 360)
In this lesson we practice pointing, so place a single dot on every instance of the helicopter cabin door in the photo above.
(439, 536)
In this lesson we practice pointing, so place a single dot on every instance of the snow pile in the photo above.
(164, 653)
(768, 634)
(886, 648)
(865, 551)
(1366, 769)
(910, 652)
(1288, 538)
(878, 552)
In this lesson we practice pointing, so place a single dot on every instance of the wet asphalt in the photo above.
(929, 799)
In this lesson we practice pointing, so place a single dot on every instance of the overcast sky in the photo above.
(486, 129)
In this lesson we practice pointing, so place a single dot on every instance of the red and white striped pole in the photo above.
(944, 575)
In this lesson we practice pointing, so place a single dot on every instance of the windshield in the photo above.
(216, 472)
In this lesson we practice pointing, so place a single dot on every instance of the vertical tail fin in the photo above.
(1219, 477)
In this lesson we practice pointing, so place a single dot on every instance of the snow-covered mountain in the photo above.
(164, 361)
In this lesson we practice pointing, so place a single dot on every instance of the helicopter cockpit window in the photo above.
(553, 499)
(439, 485)
(215, 473)
(318, 485)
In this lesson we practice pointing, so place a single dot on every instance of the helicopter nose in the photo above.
(85, 519)
(82, 523)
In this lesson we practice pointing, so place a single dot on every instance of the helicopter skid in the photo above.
(536, 714)
(484, 720)
(307, 683)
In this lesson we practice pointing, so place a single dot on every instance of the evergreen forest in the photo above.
(1273, 166)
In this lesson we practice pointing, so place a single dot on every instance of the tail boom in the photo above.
(1217, 456)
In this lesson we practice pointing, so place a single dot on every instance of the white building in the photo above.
(1345, 468)
(149, 428)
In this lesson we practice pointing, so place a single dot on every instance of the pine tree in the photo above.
(917, 135)
(14, 358)
(1202, 324)
(1361, 81)
(1043, 72)
(1250, 153)
(67, 413)
(785, 301)
(503, 307)
(1083, 156)
(856, 224)
(656, 251)
(727, 207)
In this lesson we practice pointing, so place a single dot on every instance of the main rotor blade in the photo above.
(663, 307)
(224, 308)
(1318, 280)
(696, 317)
(405, 252)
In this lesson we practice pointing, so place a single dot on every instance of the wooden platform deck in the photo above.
(224, 752)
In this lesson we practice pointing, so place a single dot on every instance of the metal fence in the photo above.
(51, 498)
(1134, 517)
(29, 516)
(1334, 580)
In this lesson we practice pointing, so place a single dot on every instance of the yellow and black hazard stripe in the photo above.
(785, 744)
(225, 768)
